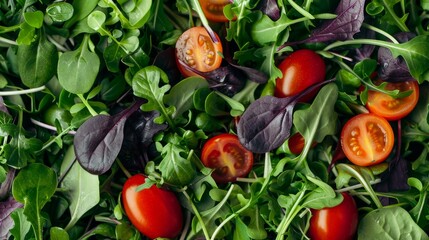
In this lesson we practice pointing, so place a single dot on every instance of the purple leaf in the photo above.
(98, 141)
(394, 69)
(6, 222)
(6, 186)
(270, 8)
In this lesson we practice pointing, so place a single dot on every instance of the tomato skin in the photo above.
(339, 222)
(213, 9)
(227, 156)
(301, 69)
(195, 49)
(367, 139)
(155, 212)
(394, 109)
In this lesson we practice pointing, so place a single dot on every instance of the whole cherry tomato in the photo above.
(155, 212)
(367, 139)
(227, 156)
(196, 50)
(335, 223)
(301, 69)
(213, 9)
(394, 108)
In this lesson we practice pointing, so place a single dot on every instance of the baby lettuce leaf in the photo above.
(80, 188)
(389, 223)
(37, 62)
(34, 186)
(99, 139)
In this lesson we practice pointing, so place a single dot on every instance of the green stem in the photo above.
(286, 221)
(123, 168)
(230, 217)
(87, 105)
(53, 140)
(299, 9)
(197, 214)
(375, 42)
(378, 30)
(21, 92)
(7, 29)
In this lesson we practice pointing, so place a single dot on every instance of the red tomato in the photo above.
(367, 139)
(196, 49)
(339, 222)
(301, 69)
(296, 143)
(213, 9)
(227, 156)
(390, 108)
(155, 212)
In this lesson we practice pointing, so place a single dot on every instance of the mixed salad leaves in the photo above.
(92, 94)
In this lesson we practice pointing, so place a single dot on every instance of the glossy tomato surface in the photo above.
(335, 223)
(227, 156)
(390, 108)
(195, 49)
(301, 69)
(367, 139)
(213, 9)
(155, 212)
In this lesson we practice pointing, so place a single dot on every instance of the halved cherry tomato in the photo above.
(391, 108)
(155, 212)
(196, 49)
(367, 139)
(335, 223)
(213, 9)
(301, 69)
(227, 156)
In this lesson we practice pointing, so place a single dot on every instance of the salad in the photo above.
(214, 119)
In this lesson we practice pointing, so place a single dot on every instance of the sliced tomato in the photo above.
(195, 49)
(213, 9)
(394, 108)
(367, 139)
(228, 157)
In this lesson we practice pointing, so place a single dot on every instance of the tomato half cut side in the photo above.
(213, 9)
(394, 108)
(367, 139)
(335, 223)
(228, 157)
(195, 49)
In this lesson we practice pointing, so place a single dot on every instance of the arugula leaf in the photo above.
(22, 226)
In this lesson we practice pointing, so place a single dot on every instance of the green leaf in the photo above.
(80, 188)
(81, 9)
(60, 11)
(77, 70)
(22, 225)
(266, 31)
(181, 94)
(240, 232)
(34, 19)
(390, 223)
(321, 197)
(268, 65)
(58, 233)
(103, 229)
(140, 14)
(37, 62)
(96, 20)
(34, 186)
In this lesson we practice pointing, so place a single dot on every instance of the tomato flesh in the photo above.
(367, 139)
(155, 212)
(301, 69)
(196, 50)
(391, 108)
(213, 9)
(335, 223)
(228, 157)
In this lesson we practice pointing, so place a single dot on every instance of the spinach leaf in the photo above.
(98, 140)
(389, 223)
(37, 62)
(57, 233)
(60, 11)
(74, 66)
(80, 188)
(34, 186)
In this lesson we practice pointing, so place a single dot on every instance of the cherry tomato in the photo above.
(227, 156)
(213, 9)
(296, 143)
(301, 69)
(196, 49)
(367, 139)
(339, 222)
(390, 108)
(155, 212)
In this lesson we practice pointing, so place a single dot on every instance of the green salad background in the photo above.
(106, 69)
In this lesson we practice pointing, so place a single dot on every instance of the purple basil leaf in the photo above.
(6, 222)
(6, 186)
(394, 69)
(98, 141)
(139, 131)
(270, 8)
(266, 123)
(251, 73)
